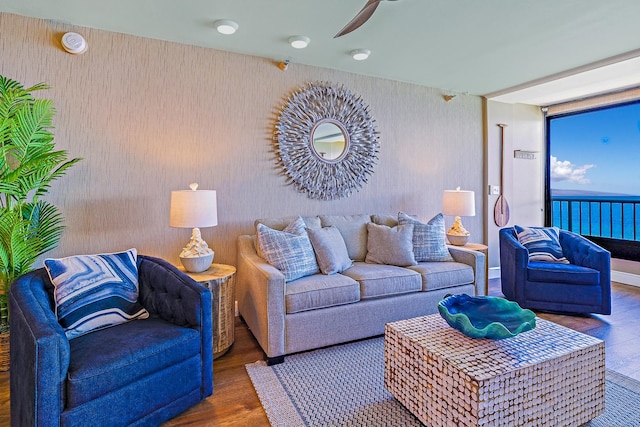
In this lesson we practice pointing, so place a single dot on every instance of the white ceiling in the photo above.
(479, 47)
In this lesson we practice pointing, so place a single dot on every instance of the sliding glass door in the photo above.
(593, 176)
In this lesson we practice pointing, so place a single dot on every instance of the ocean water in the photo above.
(617, 217)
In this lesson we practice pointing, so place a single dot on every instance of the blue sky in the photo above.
(597, 151)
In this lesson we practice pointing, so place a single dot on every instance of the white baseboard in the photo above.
(626, 278)
(616, 276)
(494, 273)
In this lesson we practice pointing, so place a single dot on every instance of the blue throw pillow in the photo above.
(429, 240)
(95, 291)
(543, 243)
(289, 250)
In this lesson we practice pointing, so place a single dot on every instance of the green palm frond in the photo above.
(29, 163)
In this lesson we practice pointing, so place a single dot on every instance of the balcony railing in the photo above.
(613, 217)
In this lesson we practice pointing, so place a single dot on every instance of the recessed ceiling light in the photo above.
(299, 42)
(224, 26)
(360, 54)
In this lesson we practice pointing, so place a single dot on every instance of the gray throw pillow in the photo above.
(391, 246)
(429, 240)
(331, 251)
(354, 232)
(289, 250)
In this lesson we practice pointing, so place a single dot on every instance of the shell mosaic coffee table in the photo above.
(549, 376)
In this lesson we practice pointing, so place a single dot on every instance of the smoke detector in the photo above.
(74, 43)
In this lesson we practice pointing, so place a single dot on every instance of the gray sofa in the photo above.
(324, 309)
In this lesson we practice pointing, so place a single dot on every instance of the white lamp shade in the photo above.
(458, 203)
(193, 209)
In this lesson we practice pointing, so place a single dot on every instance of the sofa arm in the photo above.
(40, 353)
(514, 261)
(260, 291)
(476, 260)
(170, 294)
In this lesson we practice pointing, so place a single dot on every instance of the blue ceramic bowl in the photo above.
(486, 317)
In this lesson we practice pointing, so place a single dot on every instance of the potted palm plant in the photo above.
(29, 162)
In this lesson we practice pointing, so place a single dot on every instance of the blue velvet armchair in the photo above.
(142, 372)
(582, 286)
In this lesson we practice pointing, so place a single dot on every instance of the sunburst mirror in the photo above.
(327, 142)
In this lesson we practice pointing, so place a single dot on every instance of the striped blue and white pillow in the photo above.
(543, 243)
(95, 291)
(289, 250)
(429, 240)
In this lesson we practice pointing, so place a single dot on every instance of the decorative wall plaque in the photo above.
(327, 141)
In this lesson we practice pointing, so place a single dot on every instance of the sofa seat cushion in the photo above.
(379, 280)
(439, 275)
(106, 360)
(320, 291)
(562, 273)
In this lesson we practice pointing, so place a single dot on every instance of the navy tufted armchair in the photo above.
(583, 286)
(140, 373)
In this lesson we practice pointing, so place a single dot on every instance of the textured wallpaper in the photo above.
(149, 117)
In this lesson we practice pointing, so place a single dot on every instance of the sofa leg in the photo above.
(275, 360)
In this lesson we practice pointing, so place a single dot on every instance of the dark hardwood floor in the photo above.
(235, 403)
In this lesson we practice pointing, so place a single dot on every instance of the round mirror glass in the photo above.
(329, 140)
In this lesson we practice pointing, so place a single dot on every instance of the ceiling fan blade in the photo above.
(362, 17)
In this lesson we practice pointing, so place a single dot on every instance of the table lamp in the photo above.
(458, 203)
(194, 209)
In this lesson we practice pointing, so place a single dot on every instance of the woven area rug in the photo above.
(344, 386)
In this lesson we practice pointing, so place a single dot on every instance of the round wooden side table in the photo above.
(221, 280)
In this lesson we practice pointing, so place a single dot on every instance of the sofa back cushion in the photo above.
(390, 220)
(354, 232)
(282, 222)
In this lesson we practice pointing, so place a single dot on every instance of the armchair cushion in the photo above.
(564, 273)
(95, 291)
(112, 358)
(543, 243)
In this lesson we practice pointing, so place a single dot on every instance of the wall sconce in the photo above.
(74, 43)
(458, 203)
(193, 209)
(299, 42)
(225, 26)
(360, 54)
(284, 65)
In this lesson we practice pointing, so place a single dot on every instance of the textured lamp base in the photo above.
(197, 264)
(457, 240)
